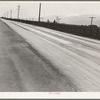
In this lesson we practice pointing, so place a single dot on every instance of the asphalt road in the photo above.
(73, 62)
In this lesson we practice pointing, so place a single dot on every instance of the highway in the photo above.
(73, 62)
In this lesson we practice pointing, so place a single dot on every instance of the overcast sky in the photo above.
(30, 9)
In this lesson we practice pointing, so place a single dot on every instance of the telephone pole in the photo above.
(10, 13)
(39, 12)
(18, 11)
(92, 19)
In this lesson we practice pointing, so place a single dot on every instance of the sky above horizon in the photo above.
(30, 9)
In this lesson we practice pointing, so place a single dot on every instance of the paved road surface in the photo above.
(73, 59)
(23, 69)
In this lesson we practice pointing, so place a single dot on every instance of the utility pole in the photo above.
(10, 13)
(92, 19)
(18, 11)
(39, 12)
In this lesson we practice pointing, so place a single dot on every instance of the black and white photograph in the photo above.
(49, 46)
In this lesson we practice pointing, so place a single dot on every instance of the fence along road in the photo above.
(75, 57)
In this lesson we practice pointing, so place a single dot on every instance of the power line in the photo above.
(92, 19)
(18, 11)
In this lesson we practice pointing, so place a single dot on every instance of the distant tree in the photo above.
(54, 21)
(48, 21)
